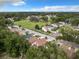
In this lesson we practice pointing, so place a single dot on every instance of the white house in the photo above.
(60, 24)
(11, 19)
(55, 34)
(49, 16)
(45, 29)
(54, 25)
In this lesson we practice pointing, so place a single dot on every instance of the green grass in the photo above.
(29, 24)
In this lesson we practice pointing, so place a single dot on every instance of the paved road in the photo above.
(50, 38)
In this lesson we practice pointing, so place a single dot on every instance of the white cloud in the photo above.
(19, 3)
(58, 8)
(13, 2)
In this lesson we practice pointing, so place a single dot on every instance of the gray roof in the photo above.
(67, 43)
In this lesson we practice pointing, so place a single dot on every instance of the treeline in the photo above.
(25, 14)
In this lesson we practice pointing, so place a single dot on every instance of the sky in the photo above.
(39, 5)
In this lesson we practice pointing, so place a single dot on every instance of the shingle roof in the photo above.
(67, 43)
(37, 41)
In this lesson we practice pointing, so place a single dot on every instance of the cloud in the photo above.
(58, 8)
(71, 8)
(18, 3)
(13, 2)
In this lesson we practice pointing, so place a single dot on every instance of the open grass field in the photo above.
(29, 24)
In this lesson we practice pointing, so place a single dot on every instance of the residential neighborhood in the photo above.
(40, 36)
(39, 29)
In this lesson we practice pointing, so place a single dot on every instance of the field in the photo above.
(29, 24)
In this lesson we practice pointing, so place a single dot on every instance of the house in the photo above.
(70, 48)
(11, 19)
(17, 29)
(21, 32)
(76, 27)
(69, 44)
(49, 16)
(28, 17)
(33, 18)
(55, 34)
(60, 24)
(45, 29)
(13, 29)
(49, 28)
(15, 26)
(35, 41)
(54, 25)
(54, 16)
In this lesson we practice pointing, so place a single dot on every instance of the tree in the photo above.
(16, 46)
(3, 34)
(69, 34)
(37, 27)
(57, 19)
(34, 18)
(44, 18)
(77, 55)
(55, 52)
(49, 51)
(2, 22)
(34, 53)
(11, 43)
(74, 21)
